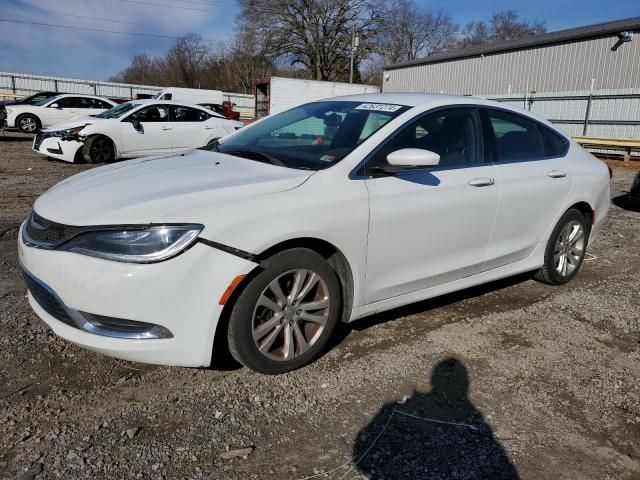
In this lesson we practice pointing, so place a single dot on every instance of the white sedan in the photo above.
(325, 213)
(49, 111)
(133, 129)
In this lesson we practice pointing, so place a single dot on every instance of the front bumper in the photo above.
(181, 295)
(56, 147)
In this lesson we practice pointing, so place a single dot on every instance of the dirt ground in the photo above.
(511, 380)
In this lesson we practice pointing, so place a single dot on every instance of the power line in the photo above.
(113, 20)
(73, 27)
(181, 7)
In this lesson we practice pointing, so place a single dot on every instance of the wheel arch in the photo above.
(27, 114)
(585, 208)
(332, 254)
(116, 148)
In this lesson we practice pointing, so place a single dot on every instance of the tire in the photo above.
(262, 319)
(28, 123)
(98, 149)
(563, 260)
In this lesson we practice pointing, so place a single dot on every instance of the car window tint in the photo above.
(186, 114)
(556, 145)
(84, 102)
(68, 102)
(374, 122)
(516, 138)
(156, 113)
(451, 133)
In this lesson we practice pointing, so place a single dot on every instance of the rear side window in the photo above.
(516, 138)
(186, 114)
(556, 144)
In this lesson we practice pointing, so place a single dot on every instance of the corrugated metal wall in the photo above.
(25, 84)
(563, 67)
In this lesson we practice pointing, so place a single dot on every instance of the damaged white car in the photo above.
(133, 129)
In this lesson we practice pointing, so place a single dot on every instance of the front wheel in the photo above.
(566, 249)
(286, 314)
(28, 123)
(98, 149)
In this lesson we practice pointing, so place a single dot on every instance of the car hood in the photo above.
(75, 122)
(151, 189)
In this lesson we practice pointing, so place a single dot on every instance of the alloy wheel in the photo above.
(101, 151)
(290, 314)
(28, 124)
(569, 248)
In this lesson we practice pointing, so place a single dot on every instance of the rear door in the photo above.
(534, 179)
(147, 131)
(190, 127)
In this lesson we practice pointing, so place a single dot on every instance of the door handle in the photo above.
(481, 182)
(557, 174)
(166, 128)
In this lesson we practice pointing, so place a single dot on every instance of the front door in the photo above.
(64, 109)
(147, 131)
(430, 226)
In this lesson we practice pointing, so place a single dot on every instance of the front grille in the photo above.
(49, 302)
(46, 233)
(40, 136)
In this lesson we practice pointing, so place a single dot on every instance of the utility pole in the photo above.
(355, 42)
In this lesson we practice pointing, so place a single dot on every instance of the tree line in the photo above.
(313, 39)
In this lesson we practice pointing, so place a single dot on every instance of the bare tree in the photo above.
(313, 33)
(502, 26)
(411, 32)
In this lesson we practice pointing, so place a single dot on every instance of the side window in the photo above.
(517, 138)
(85, 102)
(68, 102)
(166, 96)
(453, 134)
(155, 113)
(95, 103)
(186, 114)
(556, 145)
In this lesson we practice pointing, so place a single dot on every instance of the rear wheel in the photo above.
(98, 149)
(286, 314)
(28, 123)
(565, 249)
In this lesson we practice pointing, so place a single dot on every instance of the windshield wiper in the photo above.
(257, 156)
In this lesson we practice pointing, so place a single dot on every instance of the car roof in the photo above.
(415, 99)
(64, 95)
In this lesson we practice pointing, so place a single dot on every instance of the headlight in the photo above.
(72, 132)
(134, 244)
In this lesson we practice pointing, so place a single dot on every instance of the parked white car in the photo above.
(328, 212)
(31, 118)
(133, 129)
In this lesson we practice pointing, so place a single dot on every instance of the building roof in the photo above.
(561, 36)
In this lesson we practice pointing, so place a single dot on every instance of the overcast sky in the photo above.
(48, 50)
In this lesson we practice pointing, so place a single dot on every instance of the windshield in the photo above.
(118, 110)
(42, 101)
(37, 98)
(312, 136)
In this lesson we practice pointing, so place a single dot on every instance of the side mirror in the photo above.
(137, 125)
(55, 105)
(413, 158)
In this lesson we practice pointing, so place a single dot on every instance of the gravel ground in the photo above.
(510, 380)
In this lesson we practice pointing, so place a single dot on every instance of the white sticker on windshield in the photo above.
(379, 107)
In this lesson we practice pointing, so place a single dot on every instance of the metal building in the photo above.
(601, 57)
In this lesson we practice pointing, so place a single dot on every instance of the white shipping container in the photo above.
(278, 94)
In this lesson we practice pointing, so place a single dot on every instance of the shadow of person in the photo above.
(435, 435)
